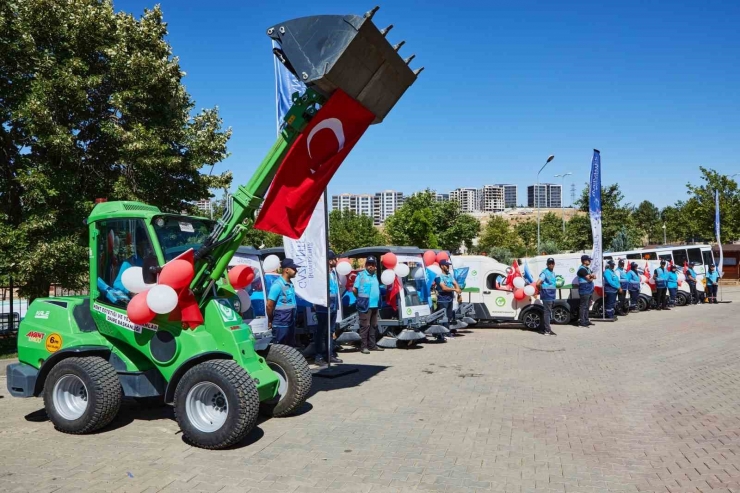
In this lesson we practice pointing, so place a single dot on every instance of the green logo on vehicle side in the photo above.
(500, 301)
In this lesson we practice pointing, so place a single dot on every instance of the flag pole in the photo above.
(328, 279)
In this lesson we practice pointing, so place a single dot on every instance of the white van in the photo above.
(494, 303)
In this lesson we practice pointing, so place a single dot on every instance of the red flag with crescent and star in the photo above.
(310, 163)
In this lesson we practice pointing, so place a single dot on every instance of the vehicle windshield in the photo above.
(177, 234)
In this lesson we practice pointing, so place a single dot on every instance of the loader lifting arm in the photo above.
(325, 52)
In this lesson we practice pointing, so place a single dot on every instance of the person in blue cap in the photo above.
(661, 284)
(672, 285)
(447, 289)
(585, 290)
(548, 289)
(712, 284)
(612, 287)
(327, 317)
(624, 284)
(691, 279)
(367, 290)
(633, 283)
(281, 304)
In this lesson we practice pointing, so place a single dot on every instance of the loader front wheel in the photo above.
(216, 404)
(295, 381)
(82, 395)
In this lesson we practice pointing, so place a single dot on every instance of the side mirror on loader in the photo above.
(327, 52)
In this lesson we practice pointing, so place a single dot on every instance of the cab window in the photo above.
(122, 244)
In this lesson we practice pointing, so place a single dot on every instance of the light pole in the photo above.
(664, 240)
(536, 199)
(562, 187)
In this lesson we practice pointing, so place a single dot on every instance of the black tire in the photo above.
(239, 394)
(682, 299)
(102, 393)
(643, 303)
(291, 366)
(533, 320)
(560, 315)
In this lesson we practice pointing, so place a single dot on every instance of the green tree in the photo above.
(647, 220)
(91, 105)
(497, 234)
(349, 230)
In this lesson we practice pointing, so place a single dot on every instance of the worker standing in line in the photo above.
(633, 284)
(367, 291)
(281, 304)
(691, 279)
(661, 280)
(585, 290)
(548, 285)
(622, 308)
(672, 285)
(611, 290)
(712, 283)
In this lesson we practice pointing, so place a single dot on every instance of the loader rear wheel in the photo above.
(216, 404)
(82, 395)
(295, 381)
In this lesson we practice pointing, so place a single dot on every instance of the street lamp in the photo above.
(536, 195)
(562, 188)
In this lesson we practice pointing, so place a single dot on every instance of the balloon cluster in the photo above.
(171, 294)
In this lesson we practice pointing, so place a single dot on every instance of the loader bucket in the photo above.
(327, 52)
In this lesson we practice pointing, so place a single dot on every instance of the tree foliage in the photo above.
(349, 230)
(91, 105)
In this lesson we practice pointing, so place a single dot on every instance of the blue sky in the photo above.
(654, 85)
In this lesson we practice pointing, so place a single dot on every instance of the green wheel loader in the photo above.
(84, 354)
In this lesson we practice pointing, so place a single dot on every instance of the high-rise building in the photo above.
(492, 198)
(549, 195)
(361, 204)
(385, 203)
(468, 198)
(510, 194)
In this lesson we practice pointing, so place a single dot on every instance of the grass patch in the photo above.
(8, 347)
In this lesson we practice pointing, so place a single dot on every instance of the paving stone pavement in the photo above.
(650, 403)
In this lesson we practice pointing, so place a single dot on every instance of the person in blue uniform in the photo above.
(326, 318)
(447, 289)
(691, 279)
(612, 288)
(633, 284)
(712, 284)
(661, 285)
(367, 291)
(622, 307)
(281, 304)
(672, 285)
(548, 285)
(585, 290)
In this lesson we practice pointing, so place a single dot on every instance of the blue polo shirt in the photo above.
(368, 287)
(283, 294)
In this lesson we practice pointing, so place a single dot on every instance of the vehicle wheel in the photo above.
(681, 298)
(642, 303)
(216, 404)
(295, 381)
(560, 315)
(532, 320)
(82, 395)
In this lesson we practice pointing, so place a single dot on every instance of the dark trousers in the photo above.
(583, 307)
(712, 293)
(368, 323)
(321, 334)
(661, 300)
(672, 296)
(634, 296)
(283, 335)
(622, 304)
(694, 293)
(548, 314)
(610, 299)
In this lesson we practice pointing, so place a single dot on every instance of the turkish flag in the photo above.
(310, 163)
